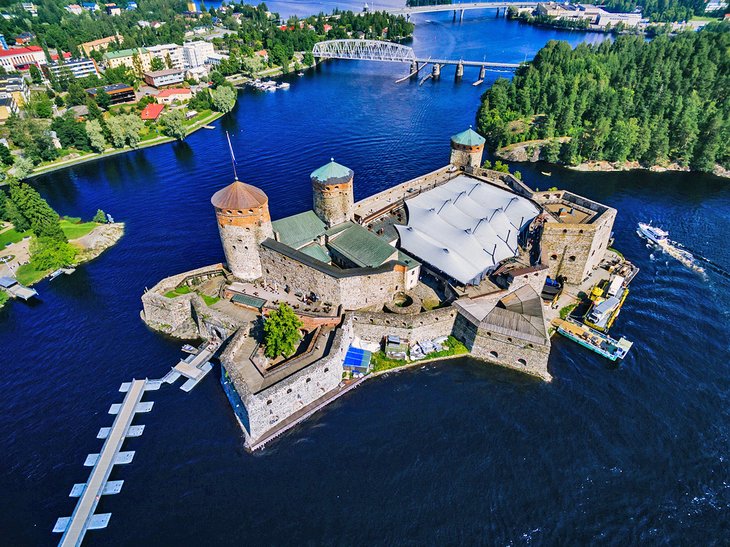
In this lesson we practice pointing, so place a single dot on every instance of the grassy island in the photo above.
(659, 103)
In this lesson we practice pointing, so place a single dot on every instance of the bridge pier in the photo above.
(482, 72)
(461, 16)
(436, 72)
(414, 67)
(459, 71)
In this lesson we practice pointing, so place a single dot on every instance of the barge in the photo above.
(595, 341)
(607, 298)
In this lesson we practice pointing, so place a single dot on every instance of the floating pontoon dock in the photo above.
(83, 518)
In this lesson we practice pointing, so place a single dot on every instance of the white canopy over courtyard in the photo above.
(465, 227)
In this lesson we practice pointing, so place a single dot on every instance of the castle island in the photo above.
(460, 252)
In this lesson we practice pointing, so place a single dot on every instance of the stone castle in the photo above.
(459, 251)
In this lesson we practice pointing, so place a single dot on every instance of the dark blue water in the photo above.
(459, 452)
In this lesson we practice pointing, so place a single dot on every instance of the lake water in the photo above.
(459, 452)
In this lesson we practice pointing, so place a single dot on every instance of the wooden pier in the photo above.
(83, 518)
(194, 367)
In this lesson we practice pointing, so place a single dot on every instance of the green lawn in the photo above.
(209, 300)
(381, 362)
(566, 311)
(11, 236)
(75, 229)
(177, 292)
(27, 274)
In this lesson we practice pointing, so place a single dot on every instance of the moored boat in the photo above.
(600, 343)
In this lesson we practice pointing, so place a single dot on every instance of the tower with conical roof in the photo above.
(467, 148)
(243, 218)
(334, 196)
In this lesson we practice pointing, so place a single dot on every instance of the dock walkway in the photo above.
(83, 517)
(194, 368)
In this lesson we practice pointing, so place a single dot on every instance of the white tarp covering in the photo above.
(465, 227)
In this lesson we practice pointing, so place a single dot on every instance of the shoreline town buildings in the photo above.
(475, 244)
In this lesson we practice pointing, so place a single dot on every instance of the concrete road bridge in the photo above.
(379, 50)
(460, 8)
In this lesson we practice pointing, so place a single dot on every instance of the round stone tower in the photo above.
(334, 197)
(467, 148)
(243, 218)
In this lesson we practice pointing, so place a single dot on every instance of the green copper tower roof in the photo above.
(468, 138)
(332, 172)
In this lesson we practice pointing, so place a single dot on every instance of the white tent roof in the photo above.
(465, 227)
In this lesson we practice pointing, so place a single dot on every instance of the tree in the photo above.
(223, 98)
(217, 79)
(281, 332)
(39, 105)
(99, 217)
(5, 156)
(76, 94)
(95, 112)
(23, 167)
(70, 132)
(43, 220)
(49, 254)
(103, 99)
(174, 124)
(125, 130)
(97, 142)
(157, 64)
(35, 75)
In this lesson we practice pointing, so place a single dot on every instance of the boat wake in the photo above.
(706, 262)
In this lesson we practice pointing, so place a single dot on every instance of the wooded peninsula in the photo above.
(657, 103)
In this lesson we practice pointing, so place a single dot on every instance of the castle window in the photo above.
(250, 211)
(509, 339)
(571, 258)
(494, 354)
(489, 333)
(326, 369)
(553, 257)
(308, 380)
(565, 231)
(580, 231)
(268, 402)
(288, 390)
(522, 362)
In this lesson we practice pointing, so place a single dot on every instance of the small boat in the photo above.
(546, 173)
(659, 237)
(652, 233)
(55, 274)
(300, 74)
(187, 348)
(283, 85)
(595, 341)
(69, 270)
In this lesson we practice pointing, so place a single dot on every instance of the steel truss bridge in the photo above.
(460, 7)
(379, 50)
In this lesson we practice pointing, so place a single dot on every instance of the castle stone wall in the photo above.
(241, 233)
(468, 158)
(351, 292)
(574, 250)
(265, 410)
(333, 203)
(373, 326)
(502, 350)
(174, 316)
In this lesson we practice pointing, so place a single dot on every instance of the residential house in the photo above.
(152, 111)
(126, 57)
(176, 94)
(79, 68)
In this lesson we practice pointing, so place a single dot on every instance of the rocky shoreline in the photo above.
(530, 151)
